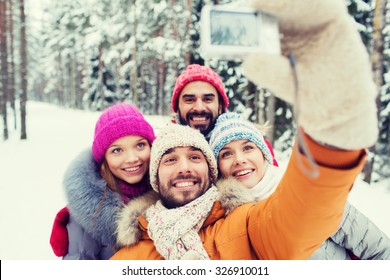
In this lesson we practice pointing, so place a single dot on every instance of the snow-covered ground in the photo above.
(31, 173)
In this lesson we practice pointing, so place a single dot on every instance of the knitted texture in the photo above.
(173, 136)
(130, 191)
(118, 121)
(195, 72)
(230, 127)
(175, 231)
(333, 91)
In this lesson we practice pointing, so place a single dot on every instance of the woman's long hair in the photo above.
(112, 182)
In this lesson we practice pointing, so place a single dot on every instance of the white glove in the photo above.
(336, 89)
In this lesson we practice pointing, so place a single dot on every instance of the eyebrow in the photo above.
(246, 142)
(204, 95)
(171, 150)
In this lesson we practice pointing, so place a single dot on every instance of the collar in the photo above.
(132, 225)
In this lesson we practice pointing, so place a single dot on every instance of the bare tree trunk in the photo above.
(4, 66)
(377, 66)
(72, 82)
(154, 76)
(11, 62)
(86, 78)
(250, 101)
(271, 101)
(163, 75)
(142, 81)
(100, 88)
(134, 72)
(377, 52)
(61, 80)
(23, 70)
(79, 81)
(189, 22)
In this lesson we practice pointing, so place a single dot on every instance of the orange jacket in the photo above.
(290, 224)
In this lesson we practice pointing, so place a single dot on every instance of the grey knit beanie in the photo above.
(173, 136)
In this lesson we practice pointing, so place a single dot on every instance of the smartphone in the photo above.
(229, 32)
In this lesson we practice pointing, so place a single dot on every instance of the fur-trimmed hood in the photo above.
(231, 195)
(90, 203)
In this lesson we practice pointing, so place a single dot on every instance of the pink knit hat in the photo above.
(118, 121)
(196, 72)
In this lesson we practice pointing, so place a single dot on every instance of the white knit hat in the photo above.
(173, 136)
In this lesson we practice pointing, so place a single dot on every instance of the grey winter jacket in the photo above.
(357, 235)
(82, 246)
(93, 210)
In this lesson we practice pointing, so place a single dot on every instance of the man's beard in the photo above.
(171, 202)
(205, 130)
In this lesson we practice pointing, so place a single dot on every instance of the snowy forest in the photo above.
(88, 54)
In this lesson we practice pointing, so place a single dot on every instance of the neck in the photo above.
(133, 190)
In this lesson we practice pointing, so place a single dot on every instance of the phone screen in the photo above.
(228, 28)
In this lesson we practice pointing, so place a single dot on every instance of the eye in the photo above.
(116, 150)
(248, 148)
(189, 100)
(141, 145)
(209, 99)
(195, 157)
(225, 154)
(168, 160)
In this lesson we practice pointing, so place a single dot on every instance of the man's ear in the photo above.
(220, 109)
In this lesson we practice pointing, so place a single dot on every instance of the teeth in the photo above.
(244, 172)
(132, 169)
(184, 184)
(199, 118)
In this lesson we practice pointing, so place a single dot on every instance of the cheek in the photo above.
(112, 163)
(161, 175)
(145, 156)
(224, 168)
(260, 166)
(184, 108)
(215, 109)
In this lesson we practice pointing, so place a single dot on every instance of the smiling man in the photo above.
(177, 185)
(190, 218)
(199, 97)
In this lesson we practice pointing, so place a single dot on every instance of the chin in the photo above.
(246, 183)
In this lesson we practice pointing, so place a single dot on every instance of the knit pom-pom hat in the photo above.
(173, 136)
(230, 127)
(118, 121)
(196, 72)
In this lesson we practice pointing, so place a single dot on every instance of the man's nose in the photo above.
(184, 166)
(199, 105)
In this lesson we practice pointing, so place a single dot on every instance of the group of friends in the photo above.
(208, 186)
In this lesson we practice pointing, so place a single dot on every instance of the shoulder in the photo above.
(232, 194)
(82, 181)
(128, 231)
(82, 169)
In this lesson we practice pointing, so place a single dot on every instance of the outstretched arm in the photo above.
(334, 93)
(304, 211)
